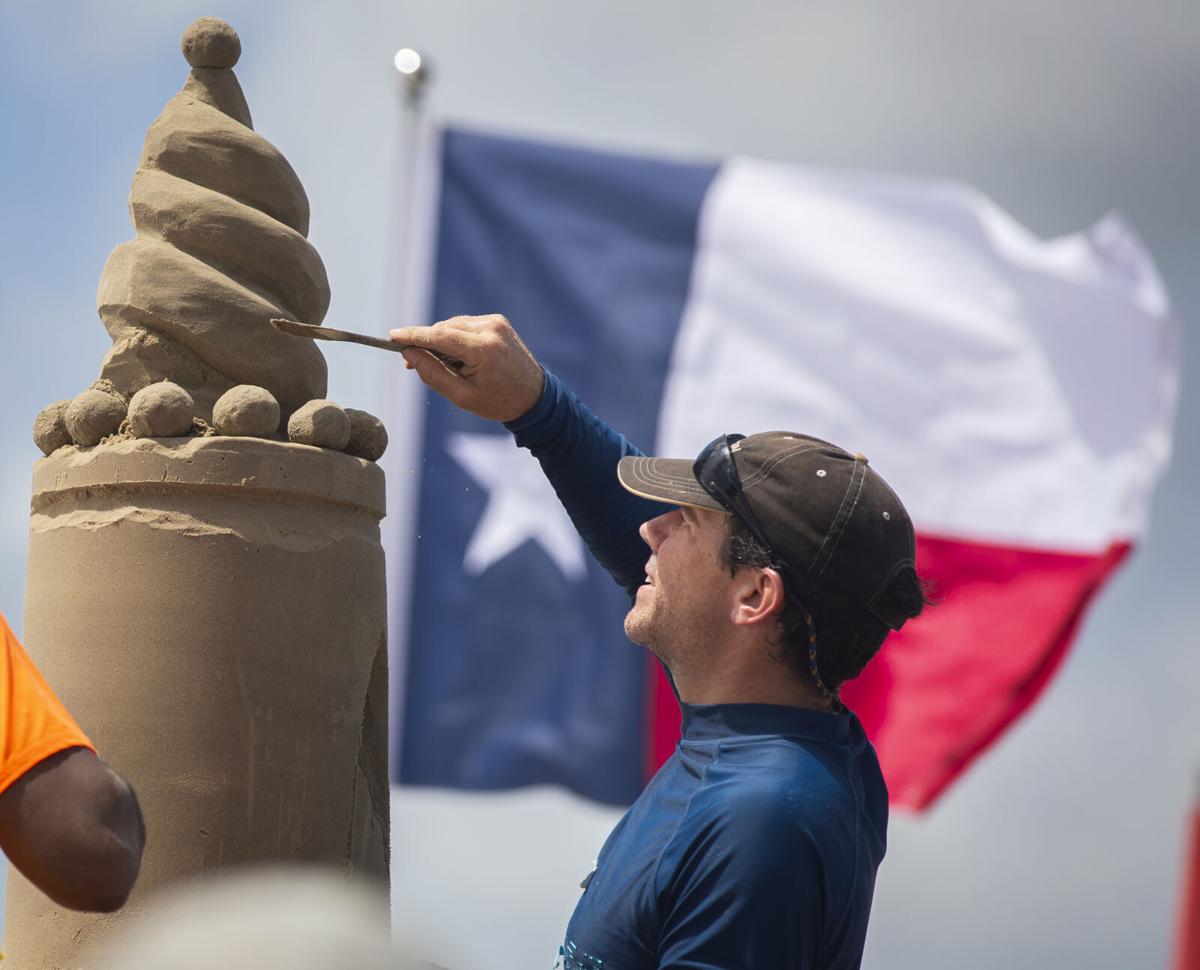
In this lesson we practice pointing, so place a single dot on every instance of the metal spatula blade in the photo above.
(313, 332)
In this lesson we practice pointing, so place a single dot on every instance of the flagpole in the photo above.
(1187, 941)
(409, 284)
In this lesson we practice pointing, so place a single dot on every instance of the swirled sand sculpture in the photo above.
(206, 581)
(221, 247)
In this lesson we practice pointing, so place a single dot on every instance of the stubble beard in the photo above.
(649, 626)
(644, 626)
(638, 625)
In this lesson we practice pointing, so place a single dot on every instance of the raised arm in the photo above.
(502, 381)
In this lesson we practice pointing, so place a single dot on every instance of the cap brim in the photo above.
(667, 480)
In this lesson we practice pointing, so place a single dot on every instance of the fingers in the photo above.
(461, 337)
(437, 375)
(464, 346)
(499, 378)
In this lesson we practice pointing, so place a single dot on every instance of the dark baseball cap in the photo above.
(827, 513)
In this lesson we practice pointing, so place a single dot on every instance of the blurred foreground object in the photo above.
(1019, 393)
(301, 919)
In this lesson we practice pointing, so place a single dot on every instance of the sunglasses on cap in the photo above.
(717, 474)
(846, 547)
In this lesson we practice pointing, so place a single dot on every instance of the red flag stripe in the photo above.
(663, 722)
(1187, 942)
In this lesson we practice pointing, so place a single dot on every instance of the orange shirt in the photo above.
(33, 722)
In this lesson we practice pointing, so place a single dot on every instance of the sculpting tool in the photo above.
(313, 332)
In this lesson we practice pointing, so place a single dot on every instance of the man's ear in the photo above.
(758, 596)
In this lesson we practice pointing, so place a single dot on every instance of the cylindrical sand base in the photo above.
(212, 611)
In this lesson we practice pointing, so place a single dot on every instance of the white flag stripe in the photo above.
(1012, 390)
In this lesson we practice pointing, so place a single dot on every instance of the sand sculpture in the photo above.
(206, 595)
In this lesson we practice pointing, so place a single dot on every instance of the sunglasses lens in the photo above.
(716, 471)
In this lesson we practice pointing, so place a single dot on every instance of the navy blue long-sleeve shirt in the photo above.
(756, 844)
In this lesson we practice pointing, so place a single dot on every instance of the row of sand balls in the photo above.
(166, 410)
(252, 411)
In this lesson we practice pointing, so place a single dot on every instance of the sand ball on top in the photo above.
(247, 410)
(210, 42)
(321, 423)
(95, 414)
(162, 410)
(50, 427)
(368, 436)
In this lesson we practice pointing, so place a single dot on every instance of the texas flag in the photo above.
(1017, 393)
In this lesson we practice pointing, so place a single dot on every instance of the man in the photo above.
(68, 822)
(777, 565)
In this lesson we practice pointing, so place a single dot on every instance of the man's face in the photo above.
(685, 599)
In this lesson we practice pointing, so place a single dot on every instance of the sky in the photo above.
(1063, 845)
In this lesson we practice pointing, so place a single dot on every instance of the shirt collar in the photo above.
(708, 722)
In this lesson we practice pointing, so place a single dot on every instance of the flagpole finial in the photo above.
(414, 71)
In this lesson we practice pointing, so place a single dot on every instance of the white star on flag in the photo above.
(521, 505)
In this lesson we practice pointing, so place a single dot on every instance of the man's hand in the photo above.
(499, 380)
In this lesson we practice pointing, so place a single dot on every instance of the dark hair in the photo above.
(825, 638)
